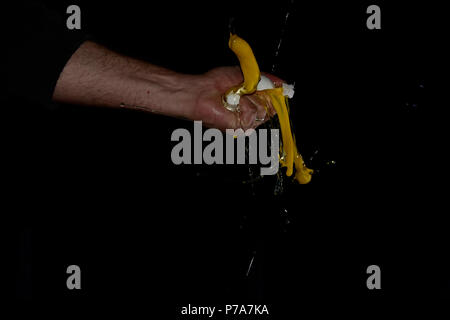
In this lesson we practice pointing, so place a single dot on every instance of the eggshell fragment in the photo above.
(288, 90)
(265, 83)
(233, 99)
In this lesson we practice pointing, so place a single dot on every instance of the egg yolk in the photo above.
(289, 155)
(249, 66)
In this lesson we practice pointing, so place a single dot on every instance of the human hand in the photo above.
(208, 89)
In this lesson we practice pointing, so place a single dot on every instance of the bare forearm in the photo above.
(97, 76)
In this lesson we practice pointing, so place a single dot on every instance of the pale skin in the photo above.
(96, 76)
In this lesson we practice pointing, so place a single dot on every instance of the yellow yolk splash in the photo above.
(289, 156)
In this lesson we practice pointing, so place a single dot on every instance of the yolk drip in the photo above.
(289, 153)
(289, 156)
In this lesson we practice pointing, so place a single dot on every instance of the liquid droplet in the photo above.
(313, 155)
(330, 163)
(283, 29)
(251, 263)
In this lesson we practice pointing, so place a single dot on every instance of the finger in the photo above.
(226, 119)
(215, 115)
(261, 108)
(247, 114)
(263, 101)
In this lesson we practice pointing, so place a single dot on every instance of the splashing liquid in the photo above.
(283, 29)
(289, 155)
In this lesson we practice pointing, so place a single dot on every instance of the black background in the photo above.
(96, 187)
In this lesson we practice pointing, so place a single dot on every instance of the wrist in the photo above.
(164, 92)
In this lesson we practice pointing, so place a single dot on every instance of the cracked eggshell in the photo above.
(288, 90)
(265, 83)
(233, 99)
